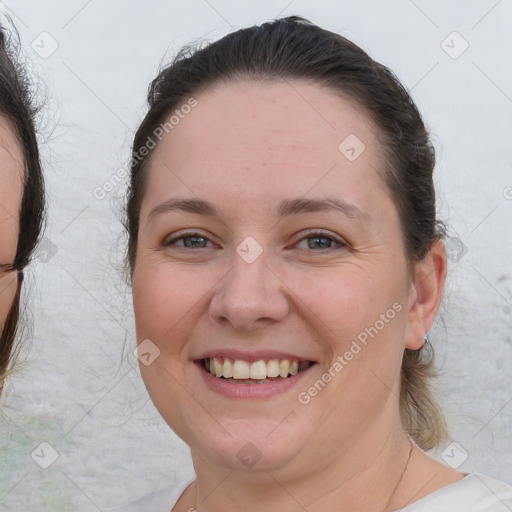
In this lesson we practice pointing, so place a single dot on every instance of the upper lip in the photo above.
(257, 355)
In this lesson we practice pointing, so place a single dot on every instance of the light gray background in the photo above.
(79, 388)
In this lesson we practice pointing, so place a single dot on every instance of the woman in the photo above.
(21, 195)
(287, 264)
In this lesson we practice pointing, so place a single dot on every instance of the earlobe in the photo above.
(426, 296)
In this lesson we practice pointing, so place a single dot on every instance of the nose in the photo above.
(250, 296)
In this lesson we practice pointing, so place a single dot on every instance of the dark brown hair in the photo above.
(294, 48)
(16, 105)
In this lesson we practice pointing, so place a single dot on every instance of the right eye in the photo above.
(5, 269)
(188, 241)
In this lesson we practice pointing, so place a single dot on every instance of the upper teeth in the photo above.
(239, 369)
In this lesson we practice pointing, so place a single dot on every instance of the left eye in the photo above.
(319, 241)
(189, 242)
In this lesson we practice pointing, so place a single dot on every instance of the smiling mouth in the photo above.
(238, 371)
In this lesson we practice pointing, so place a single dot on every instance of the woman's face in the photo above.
(268, 234)
(11, 190)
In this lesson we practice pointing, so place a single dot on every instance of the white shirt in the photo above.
(474, 493)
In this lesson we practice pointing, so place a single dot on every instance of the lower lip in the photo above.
(264, 390)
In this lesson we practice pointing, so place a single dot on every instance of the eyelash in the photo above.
(310, 234)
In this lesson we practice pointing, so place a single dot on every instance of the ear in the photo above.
(426, 294)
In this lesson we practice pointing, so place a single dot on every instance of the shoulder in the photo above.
(474, 493)
(161, 500)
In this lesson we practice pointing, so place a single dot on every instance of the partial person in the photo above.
(21, 195)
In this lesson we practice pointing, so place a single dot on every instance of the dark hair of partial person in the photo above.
(294, 48)
(16, 105)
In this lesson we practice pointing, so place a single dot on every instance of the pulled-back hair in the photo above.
(294, 48)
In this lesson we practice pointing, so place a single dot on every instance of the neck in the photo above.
(355, 480)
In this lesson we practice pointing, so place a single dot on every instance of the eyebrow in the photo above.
(297, 206)
(286, 208)
(197, 206)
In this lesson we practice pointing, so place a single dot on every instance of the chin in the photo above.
(242, 446)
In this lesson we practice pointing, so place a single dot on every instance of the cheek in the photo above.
(7, 293)
(368, 316)
(347, 301)
(360, 317)
(167, 300)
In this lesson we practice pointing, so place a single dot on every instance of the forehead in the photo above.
(268, 138)
(11, 179)
(11, 156)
